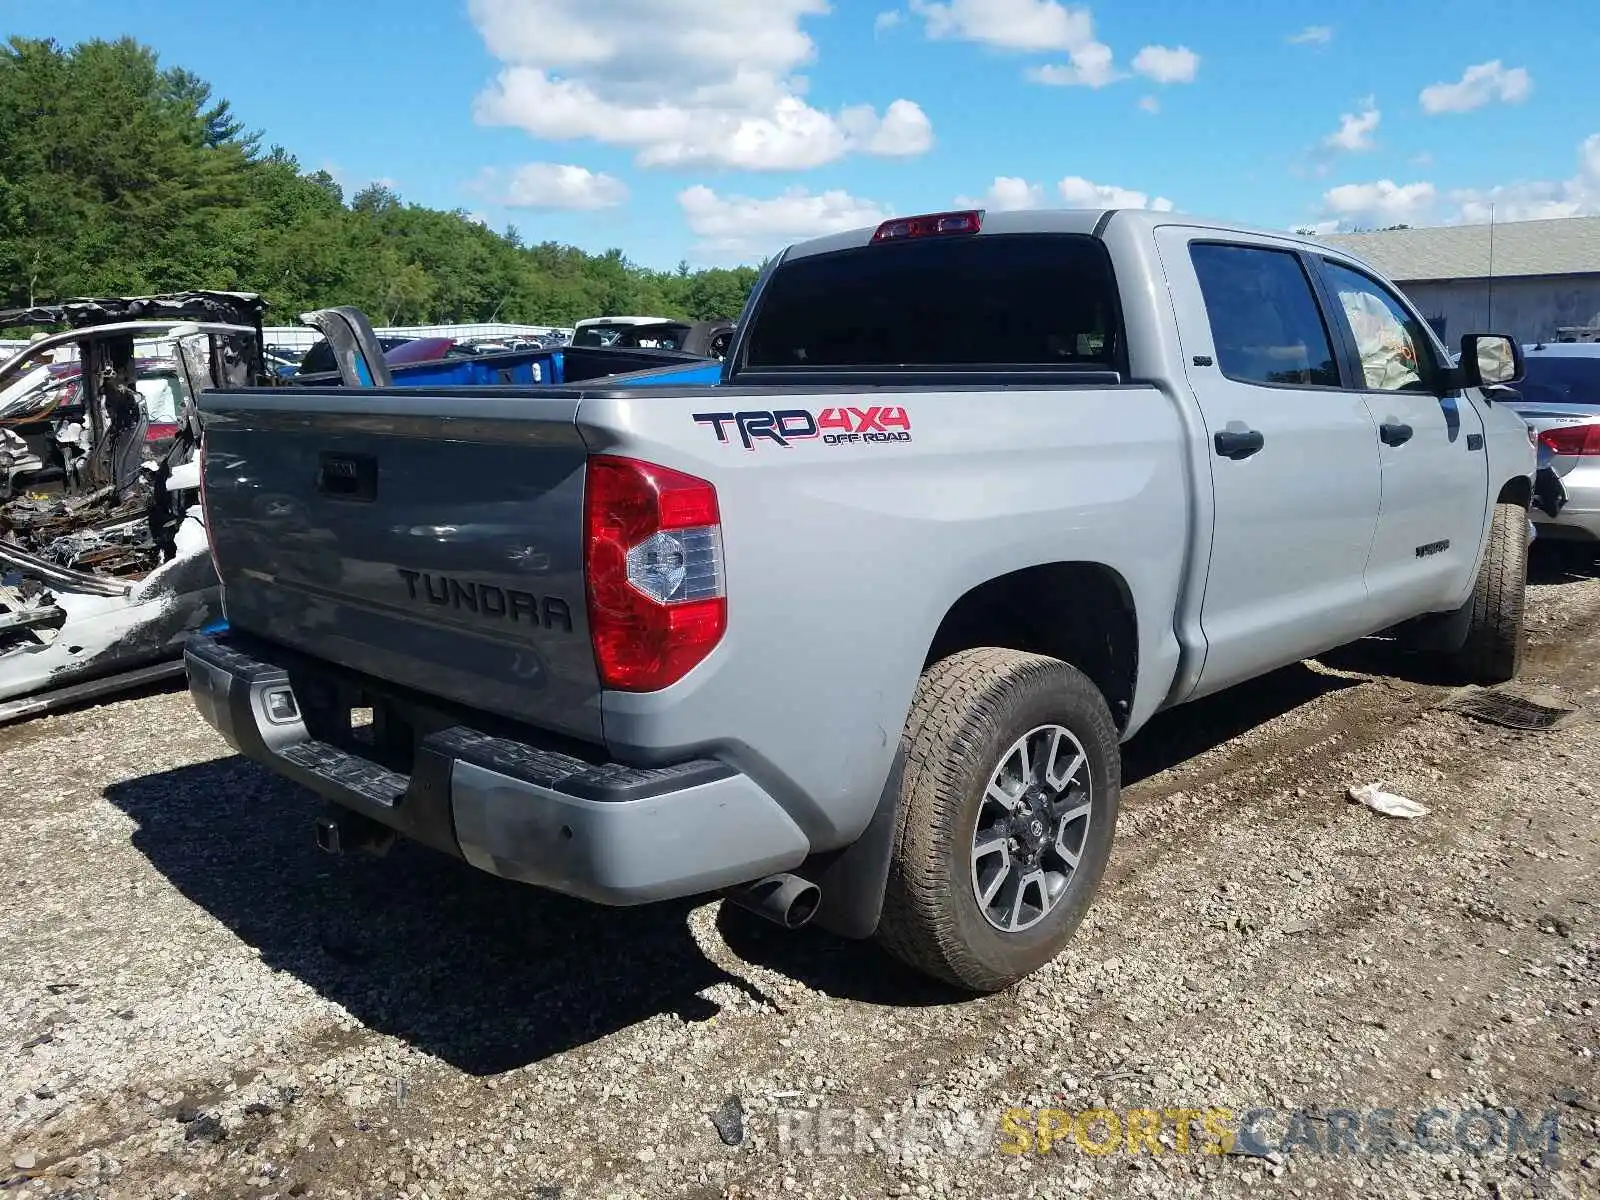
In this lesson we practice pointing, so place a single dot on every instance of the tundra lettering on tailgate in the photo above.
(487, 600)
(835, 426)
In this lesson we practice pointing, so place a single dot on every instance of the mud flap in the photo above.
(1549, 493)
(853, 880)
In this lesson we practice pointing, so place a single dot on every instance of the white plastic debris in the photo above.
(1387, 803)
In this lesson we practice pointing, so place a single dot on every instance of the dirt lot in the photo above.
(194, 1002)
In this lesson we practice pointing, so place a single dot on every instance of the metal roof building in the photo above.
(1536, 280)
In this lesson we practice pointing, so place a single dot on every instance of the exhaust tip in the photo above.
(803, 907)
(784, 899)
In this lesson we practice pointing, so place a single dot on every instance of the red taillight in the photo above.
(653, 556)
(160, 433)
(930, 225)
(1572, 439)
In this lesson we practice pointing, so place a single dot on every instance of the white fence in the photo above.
(297, 339)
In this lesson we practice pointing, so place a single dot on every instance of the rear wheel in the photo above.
(1493, 649)
(1006, 817)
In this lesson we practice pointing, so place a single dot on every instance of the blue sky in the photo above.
(718, 130)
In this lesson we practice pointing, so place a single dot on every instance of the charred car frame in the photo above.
(105, 566)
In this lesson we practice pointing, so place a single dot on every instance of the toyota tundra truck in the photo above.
(854, 634)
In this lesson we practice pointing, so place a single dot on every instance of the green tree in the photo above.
(120, 175)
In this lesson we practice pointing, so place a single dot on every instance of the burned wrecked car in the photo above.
(105, 567)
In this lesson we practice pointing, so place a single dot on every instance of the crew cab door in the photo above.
(1435, 478)
(1292, 455)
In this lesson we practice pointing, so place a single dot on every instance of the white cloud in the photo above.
(544, 185)
(1478, 85)
(697, 83)
(1383, 202)
(1167, 64)
(741, 228)
(1027, 25)
(885, 21)
(1578, 196)
(1150, 104)
(1008, 24)
(1011, 192)
(1354, 134)
(1312, 35)
(902, 132)
(1089, 66)
(1079, 192)
(1007, 193)
(1049, 26)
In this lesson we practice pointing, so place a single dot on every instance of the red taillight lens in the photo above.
(1572, 439)
(930, 225)
(653, 556)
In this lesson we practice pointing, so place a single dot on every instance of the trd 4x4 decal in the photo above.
(835, 426)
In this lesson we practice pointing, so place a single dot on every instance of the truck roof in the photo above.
(1066, 220)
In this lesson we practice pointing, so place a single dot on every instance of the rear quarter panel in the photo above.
(843, 559)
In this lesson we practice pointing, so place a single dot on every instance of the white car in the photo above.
(602, 331)
(1560, 399)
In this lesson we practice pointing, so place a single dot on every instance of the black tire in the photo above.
(969, 710)
(1493, 650)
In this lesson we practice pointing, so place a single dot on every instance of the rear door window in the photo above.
(990, 300)
(1266, 324)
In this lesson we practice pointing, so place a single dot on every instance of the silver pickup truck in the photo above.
(856, 634)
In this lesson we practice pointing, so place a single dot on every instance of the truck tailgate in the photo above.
(438, 552)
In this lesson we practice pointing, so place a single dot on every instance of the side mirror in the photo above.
(1490, 360)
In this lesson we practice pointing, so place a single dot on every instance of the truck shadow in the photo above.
(484, 974)
(1173, 737)
(488, 975)
(1551, 561)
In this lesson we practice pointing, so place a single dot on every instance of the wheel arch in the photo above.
(1081, 612)
(1517, 490)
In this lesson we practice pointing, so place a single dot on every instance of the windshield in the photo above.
(1560, 379)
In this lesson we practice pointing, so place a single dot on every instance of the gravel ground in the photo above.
(194, 1002)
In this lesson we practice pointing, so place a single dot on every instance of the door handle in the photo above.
(1391, 433)
(1237, 444)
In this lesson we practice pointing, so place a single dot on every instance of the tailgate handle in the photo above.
(347, 476)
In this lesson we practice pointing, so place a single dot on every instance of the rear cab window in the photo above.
(996, 301)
